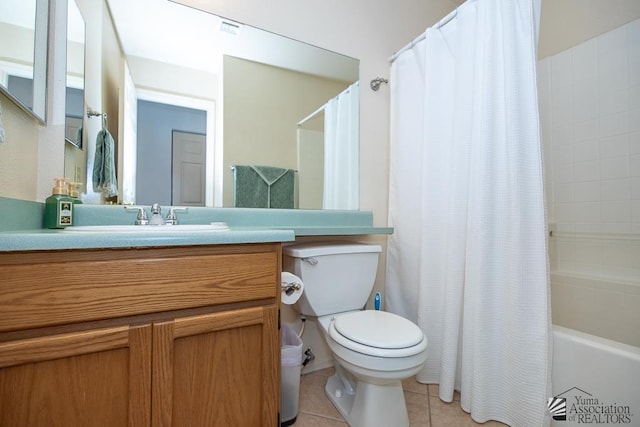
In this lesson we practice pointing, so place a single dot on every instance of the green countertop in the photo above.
(21, 232)
(27, 240)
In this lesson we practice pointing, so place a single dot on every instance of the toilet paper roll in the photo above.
(292, 288)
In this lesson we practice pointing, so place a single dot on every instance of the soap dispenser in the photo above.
(58, 208)
(74, 192)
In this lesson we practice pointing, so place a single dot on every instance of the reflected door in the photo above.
(188, 169)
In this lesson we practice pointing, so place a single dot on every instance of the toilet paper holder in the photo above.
(289, 288)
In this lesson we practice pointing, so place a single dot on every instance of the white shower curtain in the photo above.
(341, 159)
(468, 258)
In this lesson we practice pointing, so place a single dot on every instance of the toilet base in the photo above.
(372, 405)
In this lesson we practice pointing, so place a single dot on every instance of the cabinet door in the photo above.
(217, 369)
(91, 378)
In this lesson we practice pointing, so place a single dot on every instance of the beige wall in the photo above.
(161, 76)
(310, 168)
(20, 148)
(567, 23)
(112, 73)
(262, 106)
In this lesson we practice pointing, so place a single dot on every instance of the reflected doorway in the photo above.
(156, 124)
(188, 169)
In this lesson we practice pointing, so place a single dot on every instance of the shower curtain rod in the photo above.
(310, 116)
(441, 23)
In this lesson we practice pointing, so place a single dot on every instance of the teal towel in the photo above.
(104, 165)
(264, 187)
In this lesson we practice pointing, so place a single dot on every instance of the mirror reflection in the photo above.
(74, 155)
(74, 100)
(228, 94)
(23, 54)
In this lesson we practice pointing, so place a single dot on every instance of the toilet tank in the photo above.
(337, 276)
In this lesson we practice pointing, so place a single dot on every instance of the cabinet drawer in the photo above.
(60, 287)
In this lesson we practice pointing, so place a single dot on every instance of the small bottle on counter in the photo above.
(58, 208)
(74, 192)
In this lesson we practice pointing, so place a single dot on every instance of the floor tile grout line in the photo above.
(429, 406)
(321, 416)
(428, 401)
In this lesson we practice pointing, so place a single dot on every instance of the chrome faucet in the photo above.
(156, 216)
(141, 219)
(172, 218)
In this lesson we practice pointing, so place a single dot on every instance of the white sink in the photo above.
(184, 228)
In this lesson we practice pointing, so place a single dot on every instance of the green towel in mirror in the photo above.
(264, 187)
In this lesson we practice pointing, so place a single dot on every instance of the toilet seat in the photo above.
(377, 333)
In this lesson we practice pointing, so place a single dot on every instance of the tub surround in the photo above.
(22, 222)
(602, 306)
(590, 111)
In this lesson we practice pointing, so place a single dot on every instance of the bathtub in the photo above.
(598, 380)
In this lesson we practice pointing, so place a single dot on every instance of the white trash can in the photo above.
(291, 361)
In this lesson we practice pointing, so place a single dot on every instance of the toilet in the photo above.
(372, 350)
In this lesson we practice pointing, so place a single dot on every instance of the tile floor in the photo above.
(424, 406)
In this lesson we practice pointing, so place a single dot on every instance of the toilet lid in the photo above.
(379, 329)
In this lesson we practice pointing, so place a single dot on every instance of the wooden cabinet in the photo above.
(216, 369)
(180, 336)
(99, 377)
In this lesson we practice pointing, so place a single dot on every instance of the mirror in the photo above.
(23, 54)
(74, 99)
(75, 160)
(241, 89)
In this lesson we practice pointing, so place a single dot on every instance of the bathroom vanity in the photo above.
(141, 336)
(147, 329)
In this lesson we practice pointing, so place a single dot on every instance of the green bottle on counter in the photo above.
(58, 208)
